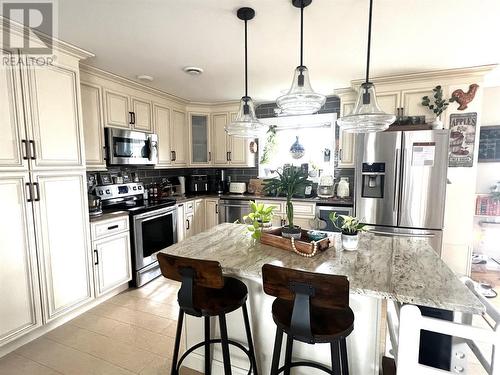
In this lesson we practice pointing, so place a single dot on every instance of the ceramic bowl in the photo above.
(315, 235)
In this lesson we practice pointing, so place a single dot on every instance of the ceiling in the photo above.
(160, 37)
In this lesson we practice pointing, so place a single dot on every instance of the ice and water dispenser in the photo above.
(373, 179)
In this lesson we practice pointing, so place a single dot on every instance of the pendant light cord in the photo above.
(246, 62)
(301, 33)
(369, 42)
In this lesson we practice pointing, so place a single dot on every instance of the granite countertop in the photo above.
(403, 269)
(347, 202)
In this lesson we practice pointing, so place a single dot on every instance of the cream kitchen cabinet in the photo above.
(304, 212)
(20, 309)
(346, 141)
(200, 154)
(61, 224)
(93, 126)
(52, 106)
(111, 252)
(179, 139)
(228, 150)
(211, 213)
(199, 216)
(13, 139)
(162, 127)
(181, 228)
(127, 111)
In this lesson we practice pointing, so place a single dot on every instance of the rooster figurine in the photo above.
(464, 98)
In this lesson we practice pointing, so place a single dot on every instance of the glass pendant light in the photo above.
(366, 116)
(301, 99)
(246, 124)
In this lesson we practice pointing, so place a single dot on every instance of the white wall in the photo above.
(489, 173)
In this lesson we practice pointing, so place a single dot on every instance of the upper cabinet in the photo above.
(52, 100)
(162, 127)
(13, 140)
(93, 126)
(128, 112)
(199, 140)
(346, 141)
(178, 139)
(228, 150)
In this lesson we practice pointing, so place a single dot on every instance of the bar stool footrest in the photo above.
(315, 365)
(214, 341)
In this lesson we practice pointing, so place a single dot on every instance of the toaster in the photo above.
(237, 187)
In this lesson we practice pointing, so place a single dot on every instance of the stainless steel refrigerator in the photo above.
(401, 182)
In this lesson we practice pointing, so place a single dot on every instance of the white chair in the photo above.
(411, 322)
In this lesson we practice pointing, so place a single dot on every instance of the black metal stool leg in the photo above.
(225, 345)
(277, 351)
(288, 354)
(343, 356)
(178, 333)
(208, 359)
(334, 348)
(249, 339)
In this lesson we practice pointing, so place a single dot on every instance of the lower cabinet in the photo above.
(20, 310)
(181, 228)
(211, 213)
(111, 253)
(304, 212)
(199, 215)
(61, 223)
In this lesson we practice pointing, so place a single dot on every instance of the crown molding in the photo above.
(475, 71)
(128, 82)
(18, 29)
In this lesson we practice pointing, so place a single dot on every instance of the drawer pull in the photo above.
(96, 257)
(113, 227)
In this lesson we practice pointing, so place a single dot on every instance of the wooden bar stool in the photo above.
(205, 293)
(311, 308)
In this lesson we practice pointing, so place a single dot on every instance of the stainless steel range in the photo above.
(153, 226)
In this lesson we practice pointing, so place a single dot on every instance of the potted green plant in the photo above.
(350, 228)
(290, 181)
(438, 105)
(259, 218)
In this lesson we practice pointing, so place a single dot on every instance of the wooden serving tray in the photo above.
(273, 238)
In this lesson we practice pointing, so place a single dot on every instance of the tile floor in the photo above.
(132, 333)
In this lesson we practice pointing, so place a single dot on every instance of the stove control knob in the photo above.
(134, 188)
(100, 192)
(140, 187)
(107, 191)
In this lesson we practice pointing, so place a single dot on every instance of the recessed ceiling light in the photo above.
(193, 70)
(146, 78)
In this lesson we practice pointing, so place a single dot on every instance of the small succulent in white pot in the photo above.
(350, 228)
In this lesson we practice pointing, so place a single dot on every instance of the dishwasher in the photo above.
(232, 210)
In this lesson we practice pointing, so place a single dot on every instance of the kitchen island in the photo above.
(403, 269)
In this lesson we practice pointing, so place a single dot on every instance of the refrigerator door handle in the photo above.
(395, 202)
(395, 234)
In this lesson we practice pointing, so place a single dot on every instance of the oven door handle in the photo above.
(149, 216)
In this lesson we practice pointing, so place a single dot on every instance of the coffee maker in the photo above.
(221, 182)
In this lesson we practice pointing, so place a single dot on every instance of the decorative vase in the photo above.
(297, 150)
(294, 232)
(350, 241)
(437, 123)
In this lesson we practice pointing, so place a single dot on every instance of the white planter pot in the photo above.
(437, 123)
(350, 241)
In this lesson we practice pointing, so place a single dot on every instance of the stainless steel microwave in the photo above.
(126, 147)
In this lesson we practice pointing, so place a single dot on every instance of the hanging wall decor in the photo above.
(464, 98)
(297, 150)
(462, 139)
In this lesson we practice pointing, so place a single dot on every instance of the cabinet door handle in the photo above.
(227, 156)
(175, 155)
(187, 224)
(96, 257)
(230, 156)
(113, 227)
(25, 149)
(216, 208)
(32, 150)
(171, 156)
(30, 192)
(131, 118)
(37, 186)
(209, 156)
(340, 155)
